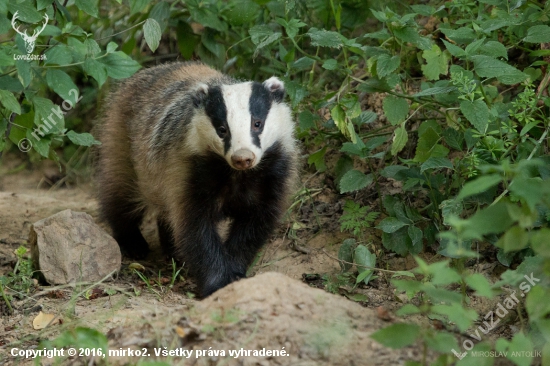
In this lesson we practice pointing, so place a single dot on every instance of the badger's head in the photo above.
(241, 121)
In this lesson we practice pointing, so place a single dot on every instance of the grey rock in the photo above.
(69, 247)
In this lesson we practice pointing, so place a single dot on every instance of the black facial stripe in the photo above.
(217, 111)
(259, 105)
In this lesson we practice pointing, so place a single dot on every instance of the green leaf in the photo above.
(262, 35)
(477, 113)
(460, 35)
(436, 163)
(119, 65)
(490, 220)
(161, 13)
(490, 67)
(441, 341)
(23, 72)
(26, 11)
(537, 304)
(354, 180)
(96, 70)
(407, 309)
(479, 185)
(152, 32)
(539, 242)
(385, 64)
(62, 84)
(331, 64)
(357, 297)
(454, 50)
(516, 349)
(436, 63)
(415, 234)
(111, 47)
(514, 239)
(292, 27)
(538, 34)
(400, 139)
(60, 54)
(206, 14)
(397, 335)
(83, 139)
(88, 6)
(345, 254)
(136, 6)
(390, 225)
(44, 110)
(435, 91)
(408, 34)
(364, 259)
(396, 109)
(9, 101)
(403, 273)
(494, 49)
(324, 38)
(480, 284)
(40, 145)
(318, 158)
(428, 145)
(41, 4)
(259, 32)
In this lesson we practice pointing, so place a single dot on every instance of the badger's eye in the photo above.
(222, 130)
(257, 123)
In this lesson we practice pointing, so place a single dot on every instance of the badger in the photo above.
(214, 158)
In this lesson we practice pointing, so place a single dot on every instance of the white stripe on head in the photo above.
(236, 98)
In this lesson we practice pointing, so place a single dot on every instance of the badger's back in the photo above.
(144, 118)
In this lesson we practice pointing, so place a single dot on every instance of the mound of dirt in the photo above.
(270, 312)
(313, 326)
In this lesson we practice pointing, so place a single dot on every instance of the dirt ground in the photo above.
(281, 307)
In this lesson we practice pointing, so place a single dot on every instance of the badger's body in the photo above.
(214, 158)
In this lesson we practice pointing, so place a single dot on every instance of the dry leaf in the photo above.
(136, 266)
(42, 320)
(180, 331)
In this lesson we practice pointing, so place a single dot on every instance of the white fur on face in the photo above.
(278, 126)
(236, 98)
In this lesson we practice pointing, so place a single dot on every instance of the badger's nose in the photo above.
(243, 159)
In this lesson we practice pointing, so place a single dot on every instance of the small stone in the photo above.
(68, 247)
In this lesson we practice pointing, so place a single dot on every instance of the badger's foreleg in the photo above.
(199, 246)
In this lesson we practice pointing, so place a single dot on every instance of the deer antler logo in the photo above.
(30, 41)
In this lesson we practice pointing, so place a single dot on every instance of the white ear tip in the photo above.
(201, 88)
(273, 83)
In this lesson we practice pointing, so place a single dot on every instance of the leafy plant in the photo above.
(19, 282)
(355, 218)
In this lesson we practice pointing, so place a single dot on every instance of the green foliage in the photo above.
(18, 283)
(356, 218)
(351, 254)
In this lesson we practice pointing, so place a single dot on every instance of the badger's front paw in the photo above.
(217, 281)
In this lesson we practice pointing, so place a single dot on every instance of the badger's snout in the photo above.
(243, 159)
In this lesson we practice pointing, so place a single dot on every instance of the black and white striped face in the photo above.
(245, 119)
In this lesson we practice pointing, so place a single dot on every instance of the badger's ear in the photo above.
(199, 93)
(276, 87)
